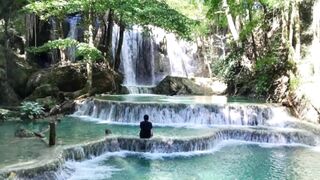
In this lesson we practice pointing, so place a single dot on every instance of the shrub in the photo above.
(31, 110)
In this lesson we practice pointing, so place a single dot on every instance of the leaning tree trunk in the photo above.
(254, 46)
(231, 24)
(117, 60)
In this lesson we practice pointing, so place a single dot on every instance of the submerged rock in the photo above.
(24, 133)
(181, 86)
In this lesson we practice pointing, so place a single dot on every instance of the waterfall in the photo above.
(183, 114)
(148, 55)
(73, 34)
(130, 54)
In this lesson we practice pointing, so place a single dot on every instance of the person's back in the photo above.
(145, 128)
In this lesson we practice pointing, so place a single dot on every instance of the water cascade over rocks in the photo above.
(179, 114)
(149, 55)
(73, 34)
(255, 123)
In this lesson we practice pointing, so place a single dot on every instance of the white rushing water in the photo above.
(149, 55)
(73, 34)
(99, 168)
(185, 114)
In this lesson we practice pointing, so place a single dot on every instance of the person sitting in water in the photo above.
(145, 128)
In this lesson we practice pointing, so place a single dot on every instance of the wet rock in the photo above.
(217, 86)
(66, 107)
(124, 90)
(23, 133)
(8, 96)
(107, 132)
(105, 79)
(18, 71)
(180, 86)
(304, 106)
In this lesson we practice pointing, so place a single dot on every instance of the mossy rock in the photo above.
(44, 91)
(180, 86)
(47, 102)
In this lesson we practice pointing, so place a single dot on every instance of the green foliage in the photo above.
(265, 69)
(31, 110)
(294, 83)
(83, 49)
(142, 12)
(55, 44)
(88, 52)
(227, 68)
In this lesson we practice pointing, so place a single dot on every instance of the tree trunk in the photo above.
(265, 20)
(117, 60)
(63, 55)
(254, 46)
(231, 24)
(91, 44)
(297, 32)
(52, 134)
(291, 23)
(109, 36)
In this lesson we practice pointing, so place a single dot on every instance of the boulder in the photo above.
(69, 78)
(45, 90)
(18, 74)
(73, 77)
(180, 86)
(105, 80)
(66, 78)
(217, 86)
(304, 102)
(19, 71)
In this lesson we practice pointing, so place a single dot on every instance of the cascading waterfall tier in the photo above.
(178, 114)
(55, 169)
(140, 89)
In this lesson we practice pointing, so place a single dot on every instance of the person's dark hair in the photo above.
(146, 117)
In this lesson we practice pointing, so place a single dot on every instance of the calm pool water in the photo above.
(73, 130)
(17, 150)
(151, 98)
(70, 131)
(233, 160)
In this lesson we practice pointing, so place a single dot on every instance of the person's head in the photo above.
(145, 117)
